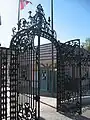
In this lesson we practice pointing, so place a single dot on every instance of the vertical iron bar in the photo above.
(29, 54)
(57, 80)
(36, 87)
(12, 85)
(3, 80)
(31, 74)
(15, 80)
(16, 57)
(10, 81)
(25, 80)
(52, 70)
(22, 76)
(1, 86)
(80, 80)
(0, 83)
(59, 75)
(19, 86)
(33, 71)
(6, 85)
(39, 76)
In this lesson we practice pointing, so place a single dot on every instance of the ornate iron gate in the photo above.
(69, 86)
(25, 65)
(24, 96)
(24, 71)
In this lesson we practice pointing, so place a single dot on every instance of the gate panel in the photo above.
(25, 65)
(3, 83)
(69, 82)
(13, 84)
(24, 78)
(27, 84)
(58, 82)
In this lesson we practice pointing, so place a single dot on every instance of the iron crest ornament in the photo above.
(27, 30)
(36, 22)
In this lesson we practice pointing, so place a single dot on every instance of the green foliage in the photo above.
(86, 44)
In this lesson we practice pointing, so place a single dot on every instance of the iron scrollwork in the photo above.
(38, 21)
(25, 112)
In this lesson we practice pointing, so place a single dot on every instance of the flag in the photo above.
(23, 3)
(0, 20)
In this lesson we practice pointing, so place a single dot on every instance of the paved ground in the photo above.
(86, 113)
(48, 111)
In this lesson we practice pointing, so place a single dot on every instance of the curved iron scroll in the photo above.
(36, 22)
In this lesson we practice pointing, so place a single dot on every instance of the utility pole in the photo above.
(52, 44)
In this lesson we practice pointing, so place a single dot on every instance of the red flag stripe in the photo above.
(28, 2)
(23, 3)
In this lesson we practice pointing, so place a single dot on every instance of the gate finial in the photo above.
(40, 9)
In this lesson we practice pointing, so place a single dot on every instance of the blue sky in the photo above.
(71, 18)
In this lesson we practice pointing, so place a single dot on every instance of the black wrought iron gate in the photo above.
(23, 81)
(20, 89)
(69, 92)
(25, 66)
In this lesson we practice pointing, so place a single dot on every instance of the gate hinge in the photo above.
(37, 98)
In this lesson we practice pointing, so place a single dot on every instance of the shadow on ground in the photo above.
(82, 118)
(47, 94)
(48, 104)
(72, 116)
(75, 117)
(42, 118)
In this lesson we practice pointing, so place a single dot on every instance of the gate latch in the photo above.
(37, 98)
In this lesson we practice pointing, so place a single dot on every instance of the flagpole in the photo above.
(52, 45)
(52, 14)
(18, 13)
(18, 30)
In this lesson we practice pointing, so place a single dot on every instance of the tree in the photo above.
(86, 44)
